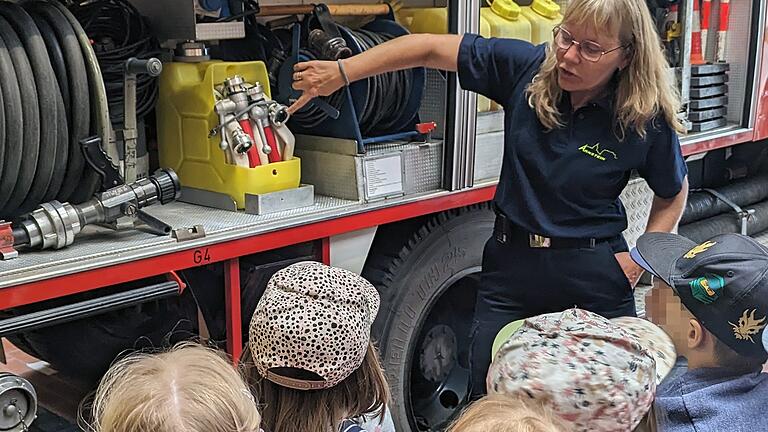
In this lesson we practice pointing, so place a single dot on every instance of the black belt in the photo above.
(507, 233)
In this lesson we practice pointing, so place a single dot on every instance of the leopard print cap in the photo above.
(316, 318)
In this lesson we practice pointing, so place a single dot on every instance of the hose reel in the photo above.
(52, 97)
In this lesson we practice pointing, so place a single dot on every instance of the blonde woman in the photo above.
(189, 388)
(580, 115)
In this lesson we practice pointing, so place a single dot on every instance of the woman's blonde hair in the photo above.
(190, 388)
(644, 89)
(501, 413)
(364, 393)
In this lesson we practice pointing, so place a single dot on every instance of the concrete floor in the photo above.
(59, 396)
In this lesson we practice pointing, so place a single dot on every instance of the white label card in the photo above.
(384, 176)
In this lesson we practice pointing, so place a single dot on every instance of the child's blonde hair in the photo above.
(501, 413)
(189, 388)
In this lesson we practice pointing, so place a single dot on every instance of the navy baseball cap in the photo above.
(723, 282)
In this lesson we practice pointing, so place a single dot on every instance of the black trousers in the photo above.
(518, 282)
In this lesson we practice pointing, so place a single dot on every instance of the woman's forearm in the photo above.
(428, 50)
(666, 213)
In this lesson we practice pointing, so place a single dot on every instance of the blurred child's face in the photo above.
(665, 309)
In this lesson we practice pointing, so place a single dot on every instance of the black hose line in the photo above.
(12, 133)
(3, 127)
(76, 89)
(100, 124)
(51, 161)
(727, 223)
(30, 117)
(51, 97)
(702, 205)
(387, 93)
(120, 32)
(56, 57)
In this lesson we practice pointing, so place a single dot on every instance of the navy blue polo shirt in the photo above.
(565, 182)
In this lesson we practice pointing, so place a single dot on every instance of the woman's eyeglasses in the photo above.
(590, 51)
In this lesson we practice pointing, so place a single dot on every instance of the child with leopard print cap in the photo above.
(310, 360)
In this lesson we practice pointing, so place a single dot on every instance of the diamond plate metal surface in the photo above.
(637, 198)
(489, 149)
(423, 167)
(433, 103)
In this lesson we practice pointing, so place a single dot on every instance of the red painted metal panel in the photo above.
(325, 253)
(233, 310)
(717, 143)
(89, 280)
(761, 117)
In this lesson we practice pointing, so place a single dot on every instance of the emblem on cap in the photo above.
(699, 249)
(706, 289)
(747, 326)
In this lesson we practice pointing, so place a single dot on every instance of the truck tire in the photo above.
(427, 284)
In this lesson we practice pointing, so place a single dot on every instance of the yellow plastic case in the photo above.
(185, 115)
(544, 15)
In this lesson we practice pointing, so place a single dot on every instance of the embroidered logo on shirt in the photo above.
(699, 249)
(747, 326)
(596, 152)
(707, 289)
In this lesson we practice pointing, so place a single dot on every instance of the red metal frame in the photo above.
(761, 116)
(93, 279)
(325, 251)
(718, 143)
(233, 310)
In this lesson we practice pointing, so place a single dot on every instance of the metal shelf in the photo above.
(97, 248)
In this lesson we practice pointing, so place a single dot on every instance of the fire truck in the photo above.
(88, 273)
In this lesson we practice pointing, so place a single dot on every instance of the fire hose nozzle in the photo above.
(54, 225)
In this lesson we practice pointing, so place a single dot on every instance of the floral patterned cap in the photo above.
(597, 374)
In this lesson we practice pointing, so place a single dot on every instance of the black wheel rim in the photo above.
(438, 369)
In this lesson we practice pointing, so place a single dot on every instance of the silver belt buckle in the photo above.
(539, 241)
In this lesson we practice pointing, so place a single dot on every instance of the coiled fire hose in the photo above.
(53, 96)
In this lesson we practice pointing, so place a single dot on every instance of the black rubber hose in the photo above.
(20, 236)
(30, 117)
(727, 223)
(100, 125)
(51, 162)
(3, 127)
(13, 138)
(57, 58)
(78, 112)
(703, 205)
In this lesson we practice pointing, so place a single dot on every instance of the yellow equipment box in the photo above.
(185, 115)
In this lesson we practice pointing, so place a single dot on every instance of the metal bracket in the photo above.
(185, 234)
(744, 215)
(174, 277)
(7, 251)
